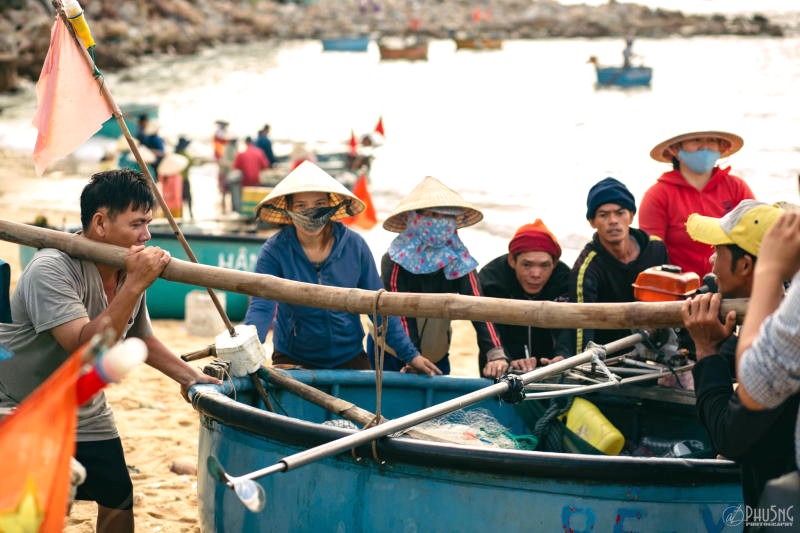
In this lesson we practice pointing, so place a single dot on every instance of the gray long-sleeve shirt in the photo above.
(770, 368)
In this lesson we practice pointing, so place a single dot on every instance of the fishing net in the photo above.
(476, 427)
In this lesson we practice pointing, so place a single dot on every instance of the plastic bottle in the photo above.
(111, 367)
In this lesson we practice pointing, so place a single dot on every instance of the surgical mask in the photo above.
(700, 161)
(314, 218)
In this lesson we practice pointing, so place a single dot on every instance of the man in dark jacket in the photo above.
(762, 442)
(607, 267)
(530, 271)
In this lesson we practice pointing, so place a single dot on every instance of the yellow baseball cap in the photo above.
(744, 226)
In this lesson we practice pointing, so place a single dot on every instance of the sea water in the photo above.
(522, 133)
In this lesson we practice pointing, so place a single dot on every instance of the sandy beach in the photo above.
(159, 429)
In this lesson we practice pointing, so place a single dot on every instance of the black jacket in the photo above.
(499, 280)
(599, 277)
(762, 442)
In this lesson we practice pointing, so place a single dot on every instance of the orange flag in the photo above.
(36, 443)
(367, 218)
(71, 107)
(353, 143)
(379, 127)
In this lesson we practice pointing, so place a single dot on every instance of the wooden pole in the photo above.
(632, 315)
(142, 165)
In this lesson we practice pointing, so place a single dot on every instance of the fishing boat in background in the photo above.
(478, 43)
(131, 112)
(632, 76)
(415, 49)
(346, 44)
(468, 485)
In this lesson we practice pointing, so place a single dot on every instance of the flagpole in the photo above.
(117, 113)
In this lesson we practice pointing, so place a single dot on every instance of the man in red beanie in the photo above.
(530, 271)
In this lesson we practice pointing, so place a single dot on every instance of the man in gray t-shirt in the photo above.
(60, 303)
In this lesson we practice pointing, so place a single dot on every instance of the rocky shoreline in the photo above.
(128, 30)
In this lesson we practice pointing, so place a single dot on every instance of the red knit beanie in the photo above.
(534, 238)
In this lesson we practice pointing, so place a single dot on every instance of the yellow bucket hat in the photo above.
(745, 226)
(307, 177)
(433, 194)
(659, 151)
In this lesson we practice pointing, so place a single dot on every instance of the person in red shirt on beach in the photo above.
(694, 185)
(251, 161)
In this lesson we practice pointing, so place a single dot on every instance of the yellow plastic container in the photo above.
(250, 198)
(585, 420)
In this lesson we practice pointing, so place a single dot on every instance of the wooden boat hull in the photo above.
(624, 77)
(430, 486)
(346, 44)
(417, 52)
(479, 44)
(229, 245)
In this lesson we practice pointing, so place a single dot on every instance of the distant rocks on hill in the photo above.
(127, 30)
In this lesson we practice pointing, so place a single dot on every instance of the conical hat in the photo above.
(429, 194)
(172, 164)
(659, 151)
(308, 177)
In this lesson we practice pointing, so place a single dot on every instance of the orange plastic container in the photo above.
(665, 283)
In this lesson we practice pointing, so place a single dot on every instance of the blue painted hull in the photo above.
(622, 77)
(346, 44)
(427, 486)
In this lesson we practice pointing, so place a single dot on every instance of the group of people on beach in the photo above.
(696, 212)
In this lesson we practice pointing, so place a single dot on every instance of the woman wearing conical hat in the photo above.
(694, 185)
(314, 247)
(428, 256)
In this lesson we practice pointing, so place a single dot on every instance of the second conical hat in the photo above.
(430, 194)
(307, 177)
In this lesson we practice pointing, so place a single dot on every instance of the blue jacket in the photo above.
(312, 336)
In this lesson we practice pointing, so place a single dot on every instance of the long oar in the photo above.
(453, 306)
(252, 494)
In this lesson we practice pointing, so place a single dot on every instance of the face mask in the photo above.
(701, 161)
(315, 218)
(436, 232)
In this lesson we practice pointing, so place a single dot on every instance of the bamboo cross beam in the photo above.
(630, 315)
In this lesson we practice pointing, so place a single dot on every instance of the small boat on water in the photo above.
(412, 50)
(346, 44)
(478, 43)
(632, 76)
(429, 486)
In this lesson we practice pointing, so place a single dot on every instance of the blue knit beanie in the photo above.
(609, 191)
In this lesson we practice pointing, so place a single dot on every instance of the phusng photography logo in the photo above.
(772, 516)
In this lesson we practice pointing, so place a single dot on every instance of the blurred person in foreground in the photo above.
(761, 442)
(768, 354)
(314, 247)
(60, 303)
(531, 270)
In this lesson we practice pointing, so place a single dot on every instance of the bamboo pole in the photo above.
(452, 306)
(117, 113)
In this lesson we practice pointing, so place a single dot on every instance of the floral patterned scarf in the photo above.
(430, 244)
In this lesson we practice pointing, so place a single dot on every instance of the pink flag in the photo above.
(71, 107)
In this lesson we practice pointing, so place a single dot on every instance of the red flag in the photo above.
(36, 443)
(353, 143)
(71, 107)
(379, 127)
(367, 218)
